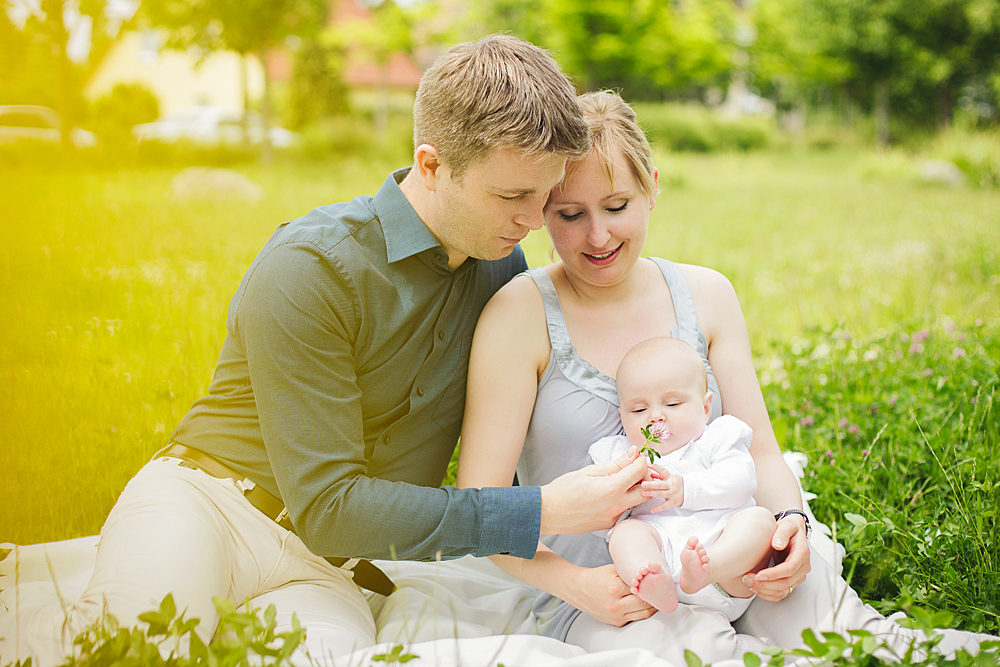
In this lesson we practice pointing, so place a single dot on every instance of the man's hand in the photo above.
(592, 498)
(601, 593)
(664, 484)
(792, 557)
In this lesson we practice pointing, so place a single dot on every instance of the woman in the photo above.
(541, 390)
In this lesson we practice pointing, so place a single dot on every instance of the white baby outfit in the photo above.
(719, 481)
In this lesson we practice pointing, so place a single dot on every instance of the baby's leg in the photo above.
(637, 552)
(743, 544)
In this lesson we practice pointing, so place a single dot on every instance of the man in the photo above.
(339, 392)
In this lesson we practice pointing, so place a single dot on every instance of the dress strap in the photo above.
(574, 368)
(680, 293)
(554, 320)
(687, 328)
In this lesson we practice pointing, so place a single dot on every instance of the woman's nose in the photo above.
(599, 234)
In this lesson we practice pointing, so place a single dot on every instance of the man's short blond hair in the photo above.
(498, 92)
(613, 127)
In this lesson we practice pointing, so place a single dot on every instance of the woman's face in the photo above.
(598, 228)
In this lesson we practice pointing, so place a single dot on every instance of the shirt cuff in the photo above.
(511, 520)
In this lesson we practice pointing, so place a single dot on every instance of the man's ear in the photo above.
(428, 162)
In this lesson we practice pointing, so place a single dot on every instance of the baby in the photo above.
(701, 527)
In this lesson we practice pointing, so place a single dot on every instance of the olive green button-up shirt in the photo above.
(341, 386)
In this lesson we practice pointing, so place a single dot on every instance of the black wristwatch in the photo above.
(782, 514)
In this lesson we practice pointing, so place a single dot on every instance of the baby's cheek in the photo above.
(634, 436)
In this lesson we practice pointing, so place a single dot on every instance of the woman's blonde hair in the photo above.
(498, 92)
(613, 127)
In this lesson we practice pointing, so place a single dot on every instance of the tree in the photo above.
(386, 32)
(31, 53)
(644, 48)
(914, 57)
(244, 26)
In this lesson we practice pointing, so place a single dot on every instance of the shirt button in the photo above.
(420, 391)
(441, 335)
(387, 438)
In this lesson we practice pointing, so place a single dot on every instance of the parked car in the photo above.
(25, 122)
(213, 125)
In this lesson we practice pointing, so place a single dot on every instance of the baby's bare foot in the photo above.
(655, 585)
(695, 568)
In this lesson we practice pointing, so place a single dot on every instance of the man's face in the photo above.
(494, 204)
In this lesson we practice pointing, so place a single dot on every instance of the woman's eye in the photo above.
(570, 216)
(620, 208)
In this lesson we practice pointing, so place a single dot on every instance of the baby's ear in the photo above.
(708, 405)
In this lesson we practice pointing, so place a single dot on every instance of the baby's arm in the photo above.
(730, 480)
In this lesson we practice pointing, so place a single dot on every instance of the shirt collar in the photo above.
(405, 233)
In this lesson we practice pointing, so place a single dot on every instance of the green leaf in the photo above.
(691, 659)
(810, 640)
(856, 519)
(751, 660)
(167, 607)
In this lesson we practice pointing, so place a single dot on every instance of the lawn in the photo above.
(873, 304)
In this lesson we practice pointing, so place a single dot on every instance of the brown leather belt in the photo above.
(366, 574)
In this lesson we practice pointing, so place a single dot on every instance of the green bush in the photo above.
(901, 428)
(127, 105)
(355, 135)
(976, 153)
(697, 129)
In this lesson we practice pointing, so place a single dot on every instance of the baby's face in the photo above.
(663, 393)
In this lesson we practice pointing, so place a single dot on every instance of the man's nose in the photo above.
(532, 217)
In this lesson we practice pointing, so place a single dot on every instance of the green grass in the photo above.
(116, 297)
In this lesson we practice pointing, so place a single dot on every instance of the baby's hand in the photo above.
(669, 486)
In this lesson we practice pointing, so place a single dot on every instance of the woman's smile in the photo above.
(603, 259)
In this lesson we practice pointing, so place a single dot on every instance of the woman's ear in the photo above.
(656, 188)
(428, 163)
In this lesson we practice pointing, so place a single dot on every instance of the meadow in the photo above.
(873, 304)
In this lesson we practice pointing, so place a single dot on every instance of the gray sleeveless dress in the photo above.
(576, 405)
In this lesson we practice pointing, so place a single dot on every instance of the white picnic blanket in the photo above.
(465, 612)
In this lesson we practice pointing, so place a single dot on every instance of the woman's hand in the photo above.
(792, 557)
(602, 594)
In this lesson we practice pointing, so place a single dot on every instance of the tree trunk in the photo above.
(265, 108)
(882, 112)
(944, 108)
(245, 81)
(845, 113)
(382, 101)
(60, 37)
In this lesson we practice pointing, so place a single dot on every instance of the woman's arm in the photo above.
(721, 320)
(510, 352)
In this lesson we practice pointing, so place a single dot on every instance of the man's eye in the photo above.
(510, 198)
